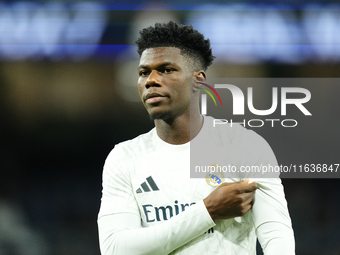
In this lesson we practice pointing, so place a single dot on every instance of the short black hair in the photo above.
(184, 37)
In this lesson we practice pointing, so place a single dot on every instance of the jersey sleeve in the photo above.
(271, 218)
(123, 234)
(119, 220)
(270, 211)
(117, 195)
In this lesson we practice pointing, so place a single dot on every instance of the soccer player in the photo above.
(150, 205)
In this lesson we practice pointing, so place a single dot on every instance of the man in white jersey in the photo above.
(150, 205)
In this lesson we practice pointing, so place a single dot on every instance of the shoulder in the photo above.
(246, 146)
(233, 133)
(124, 152)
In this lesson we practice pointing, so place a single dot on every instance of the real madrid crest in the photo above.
(214, 176)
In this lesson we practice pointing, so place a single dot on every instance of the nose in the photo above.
(154, 80)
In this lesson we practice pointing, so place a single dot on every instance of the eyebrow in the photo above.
(159, 66)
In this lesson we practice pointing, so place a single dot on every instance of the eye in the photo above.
(168, 70)
(143, 73)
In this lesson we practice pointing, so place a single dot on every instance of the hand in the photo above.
(230, 200)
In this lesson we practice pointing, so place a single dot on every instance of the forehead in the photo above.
(159, 55)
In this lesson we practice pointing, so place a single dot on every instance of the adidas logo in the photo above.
(146, 187)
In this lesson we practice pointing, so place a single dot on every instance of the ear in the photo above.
(199, 77)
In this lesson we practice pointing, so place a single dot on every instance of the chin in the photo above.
(161, 115)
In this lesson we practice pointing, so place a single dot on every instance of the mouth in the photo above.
(152, 98)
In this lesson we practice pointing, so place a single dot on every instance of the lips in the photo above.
(153, 98)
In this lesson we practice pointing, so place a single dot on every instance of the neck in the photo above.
(179, 130)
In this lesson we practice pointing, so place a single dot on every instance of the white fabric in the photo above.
(128, 237)
(170, 216)
(276, 238)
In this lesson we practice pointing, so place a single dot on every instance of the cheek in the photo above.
(182, 95)
(140, 87)
(185, 88)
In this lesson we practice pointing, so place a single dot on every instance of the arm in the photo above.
(117, 230)
(270, 212)
(123, 234)
(119, 220)
(271, 218)
(276, 238)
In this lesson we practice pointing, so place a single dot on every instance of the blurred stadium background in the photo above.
(68, 94)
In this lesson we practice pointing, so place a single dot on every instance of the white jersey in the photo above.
(150, 178)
